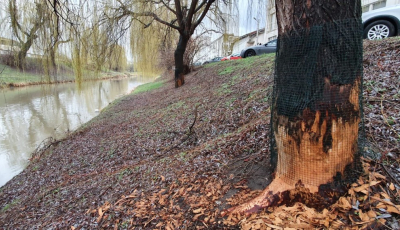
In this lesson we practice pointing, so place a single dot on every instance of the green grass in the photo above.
(7, 206)
(227, 70)
(10, 75)
(147, 87)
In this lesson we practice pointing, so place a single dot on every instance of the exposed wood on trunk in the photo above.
(179, 65)
(321, 144)
(316, 112)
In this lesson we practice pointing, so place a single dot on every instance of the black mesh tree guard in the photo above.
(316, 122)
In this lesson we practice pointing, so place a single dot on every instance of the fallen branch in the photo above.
(187, 135)
(42, 147)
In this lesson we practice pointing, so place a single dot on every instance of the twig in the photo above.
(3, 69)
(43, 146)
(387, 172)
(187, 136)
(194, 121)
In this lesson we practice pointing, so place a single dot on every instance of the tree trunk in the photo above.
(53, 65)
(316, 105)
(179, 65)
(21, 56)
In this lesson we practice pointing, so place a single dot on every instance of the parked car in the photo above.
(235, 56)
(225, 58)
(381, 23)
(269, 47)
(216, 59)
(232, 57)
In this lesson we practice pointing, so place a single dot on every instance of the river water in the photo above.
(29, 115)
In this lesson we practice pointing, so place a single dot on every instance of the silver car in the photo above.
(381, 23)
(269, 47)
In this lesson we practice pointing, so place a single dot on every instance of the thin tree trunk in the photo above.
(179, 65)
(53, 64)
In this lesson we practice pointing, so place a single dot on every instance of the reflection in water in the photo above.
(31, 114)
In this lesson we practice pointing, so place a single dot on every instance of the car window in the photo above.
(271, 43)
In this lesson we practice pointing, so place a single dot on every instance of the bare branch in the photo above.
(203, 14)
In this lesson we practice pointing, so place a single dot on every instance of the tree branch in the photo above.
(192, 11)
(203, 14)
(135, 16)
(179, 14)
(167, 6)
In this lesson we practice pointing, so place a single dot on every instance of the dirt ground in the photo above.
(176, 158)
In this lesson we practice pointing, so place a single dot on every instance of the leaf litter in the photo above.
(176, 158)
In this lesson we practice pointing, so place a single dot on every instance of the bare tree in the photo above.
(25, 32)
(187, 16)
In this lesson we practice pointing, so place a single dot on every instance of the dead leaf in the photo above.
(273, 226)
(100, 211)
(344, 203)
(391, 186)
(197, 216)
(361, 188)
(198, 210)
(300, 226)
(371, 214)
(392, 209)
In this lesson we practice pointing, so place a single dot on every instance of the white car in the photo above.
(381, 23)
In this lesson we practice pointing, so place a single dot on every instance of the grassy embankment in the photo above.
(175, 158)
(34, 74)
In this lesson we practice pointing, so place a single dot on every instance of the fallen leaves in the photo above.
(119, 158)
(366, 205)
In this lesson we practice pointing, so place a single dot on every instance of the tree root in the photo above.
(278, 193)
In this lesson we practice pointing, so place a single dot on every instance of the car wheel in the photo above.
(250, 53)
(378, 30)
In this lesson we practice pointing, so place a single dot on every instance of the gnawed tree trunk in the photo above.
(179, 64)
(316, 109)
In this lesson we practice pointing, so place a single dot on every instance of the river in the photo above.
(29, 115)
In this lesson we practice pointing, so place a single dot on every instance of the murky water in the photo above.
(28, 115)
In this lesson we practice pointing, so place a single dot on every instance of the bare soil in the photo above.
(175, 158)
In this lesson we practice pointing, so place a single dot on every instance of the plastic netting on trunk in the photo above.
(316, 123)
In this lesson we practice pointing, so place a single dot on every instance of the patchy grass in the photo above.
(10, 75)
(227, 70)
(7, 206)
(147, 87)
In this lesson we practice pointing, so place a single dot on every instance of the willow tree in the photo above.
(148, 45)
(316, 103)
(51, 36)
(187, 16)
(26, 20)
(117, 60)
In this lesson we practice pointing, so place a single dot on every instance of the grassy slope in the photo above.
(135, 165)
(13, 77)
(10, 75)
(142, 137)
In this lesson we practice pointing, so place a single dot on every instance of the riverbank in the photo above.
(175, 158)
(11, 77)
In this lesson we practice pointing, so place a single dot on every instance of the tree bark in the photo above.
(316, 109)
(316, 122)
(21, 56)
(179, 64)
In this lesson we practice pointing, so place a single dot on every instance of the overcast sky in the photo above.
(247, 13)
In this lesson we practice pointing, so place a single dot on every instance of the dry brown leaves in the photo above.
(181, 204)
(369, 203)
